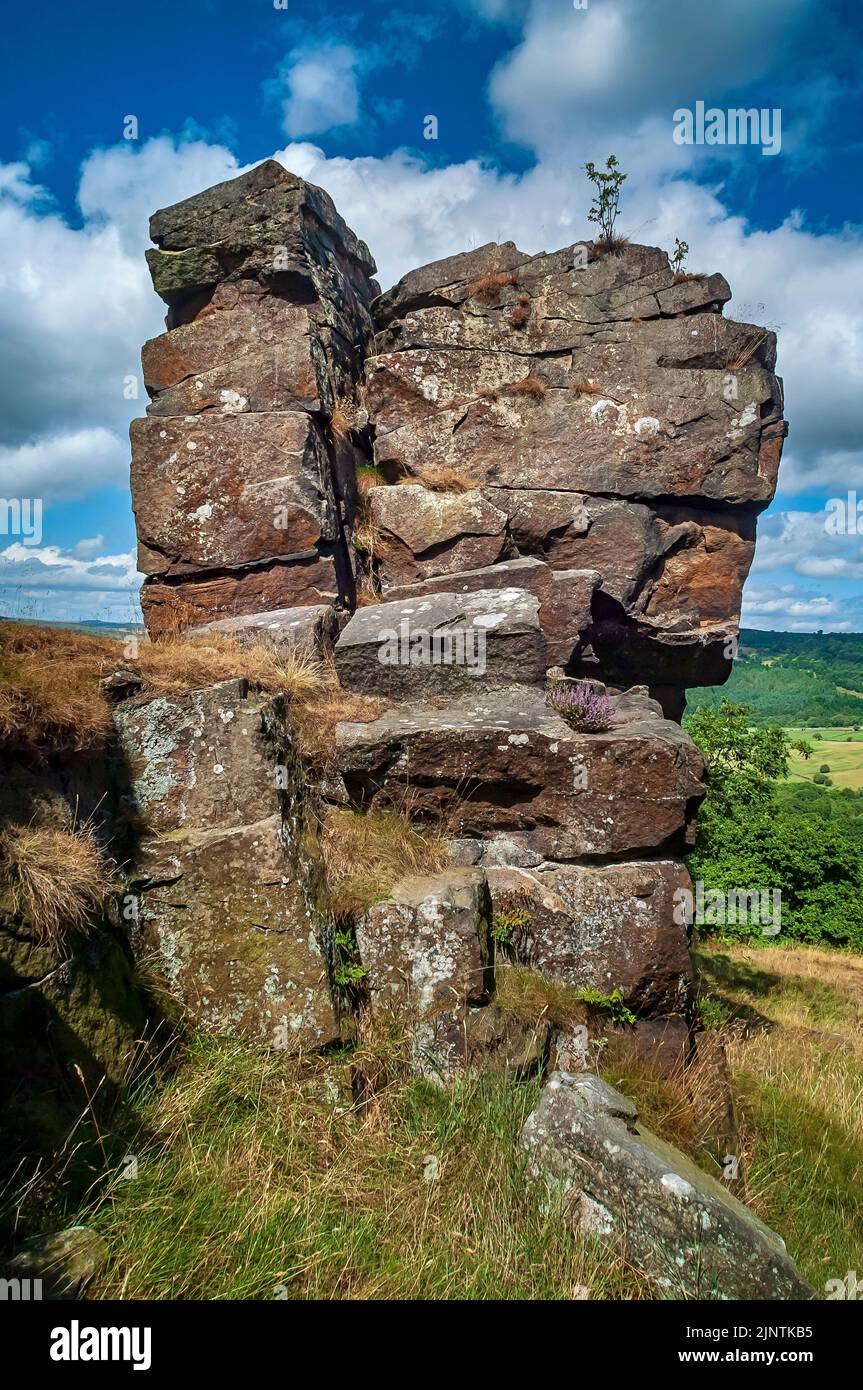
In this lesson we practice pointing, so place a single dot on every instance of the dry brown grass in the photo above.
(175, 664)
(50, 697)
(684, 276)
(520, 316)
(586, 388)
(440, 478)
(49, 687)
(734, 364)
(488, 286)
(315, 715)
(56, 879)
(528, 386)
(340, 421)
(608, 246)
(366, 855)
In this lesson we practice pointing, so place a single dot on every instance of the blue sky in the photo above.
(525, 92)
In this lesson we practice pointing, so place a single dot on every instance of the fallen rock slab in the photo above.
(620, 1183)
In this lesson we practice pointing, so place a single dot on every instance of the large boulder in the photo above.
(564, 597)
(420, 534)
(197, 760)
(621, 1183)
(503, 763)
(426, 956)
(606, 927)
(224, 883)
(243, 474)
(616, 417)
(227, 916)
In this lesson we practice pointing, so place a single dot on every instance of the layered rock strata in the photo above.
(243, 471)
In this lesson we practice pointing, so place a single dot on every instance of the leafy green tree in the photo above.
(754, 836)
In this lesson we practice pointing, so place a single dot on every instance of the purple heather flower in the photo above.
(581, 707)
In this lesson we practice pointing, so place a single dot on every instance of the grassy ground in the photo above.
(792, 1021)
(841, 749)
(258, 1177)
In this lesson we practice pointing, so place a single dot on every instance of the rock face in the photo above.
(506, 765)
(242, 484)
(619, 1182)
(617, 419)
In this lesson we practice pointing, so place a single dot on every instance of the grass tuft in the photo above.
(488, 286)
(56, 879)
(367, 854)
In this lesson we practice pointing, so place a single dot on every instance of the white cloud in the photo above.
(786, 608)
(800, 541)
(65, 466)
(88, 548)
(318, 88)
(604, 68)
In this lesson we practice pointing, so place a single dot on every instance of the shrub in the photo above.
(825, 767)
(581, 707)
(681, 251)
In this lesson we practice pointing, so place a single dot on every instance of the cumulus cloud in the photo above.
(65, 466)
(318, 88)
(606, 66)
(786, 608)
(802, 542)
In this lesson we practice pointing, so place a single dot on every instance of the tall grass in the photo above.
(258, 1180)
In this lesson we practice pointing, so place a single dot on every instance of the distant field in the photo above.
(844, 759)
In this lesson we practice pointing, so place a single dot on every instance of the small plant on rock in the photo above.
(681, 251)
(582, 707)
(612, 1004)
(605, 206)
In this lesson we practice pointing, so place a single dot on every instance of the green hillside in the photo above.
(796, 679)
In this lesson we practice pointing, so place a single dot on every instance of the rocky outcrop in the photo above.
(618, 1182)
(223, 891)
(614, 415)
(242, 474)
(564, 456)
